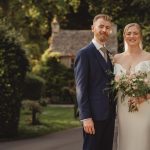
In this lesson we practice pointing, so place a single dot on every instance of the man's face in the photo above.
(101, 29)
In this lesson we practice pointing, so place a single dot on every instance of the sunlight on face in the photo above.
(132, 36)
(101, 29)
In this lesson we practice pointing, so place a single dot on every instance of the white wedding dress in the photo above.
(133, 127)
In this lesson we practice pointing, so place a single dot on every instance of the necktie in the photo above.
(104, 50)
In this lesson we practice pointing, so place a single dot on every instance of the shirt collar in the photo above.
(96, 44)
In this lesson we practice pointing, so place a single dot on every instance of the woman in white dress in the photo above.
(133, 127)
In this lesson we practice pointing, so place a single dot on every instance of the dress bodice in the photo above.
(143, 66)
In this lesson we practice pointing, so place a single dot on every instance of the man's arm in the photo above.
(81, 70)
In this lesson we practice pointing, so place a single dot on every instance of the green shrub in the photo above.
(13, 67)
(146, 34)
(35, 108)
(34, 87)
(57, 78)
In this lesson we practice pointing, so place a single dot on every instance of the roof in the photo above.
(70, 41)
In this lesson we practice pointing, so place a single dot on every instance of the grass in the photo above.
(52, 119)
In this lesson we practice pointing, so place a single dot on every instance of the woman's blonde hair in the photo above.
(126, 29)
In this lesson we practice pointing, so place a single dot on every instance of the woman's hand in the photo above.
(135, 101)
(133, 105)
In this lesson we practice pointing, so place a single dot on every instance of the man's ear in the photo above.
(92, 28)
(110, 31)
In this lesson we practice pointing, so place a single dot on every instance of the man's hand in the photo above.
(88, 126)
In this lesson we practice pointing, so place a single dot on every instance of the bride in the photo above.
(133, 127)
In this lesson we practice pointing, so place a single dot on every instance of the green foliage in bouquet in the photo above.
(133, 85)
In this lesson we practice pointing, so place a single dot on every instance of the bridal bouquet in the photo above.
(135, 86)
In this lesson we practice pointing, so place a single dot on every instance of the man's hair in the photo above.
(103, 16)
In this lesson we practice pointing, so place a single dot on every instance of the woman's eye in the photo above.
(128, 34)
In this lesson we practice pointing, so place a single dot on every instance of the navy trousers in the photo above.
(103, 138)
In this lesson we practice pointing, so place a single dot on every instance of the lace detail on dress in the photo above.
(143, 66)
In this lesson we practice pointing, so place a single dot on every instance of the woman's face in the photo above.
(132, 36)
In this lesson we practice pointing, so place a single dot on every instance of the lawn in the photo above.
(52, 119)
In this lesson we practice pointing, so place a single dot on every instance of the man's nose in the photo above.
(104, 29)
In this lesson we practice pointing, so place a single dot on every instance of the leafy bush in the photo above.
(35, 108)
(57, 78)
(13, 67)
(34, 87)
(146, 34)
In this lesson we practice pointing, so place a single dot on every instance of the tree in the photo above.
(33, 19)
(123, 12)
(74, 17)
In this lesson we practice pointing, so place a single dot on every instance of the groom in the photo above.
(96, 105)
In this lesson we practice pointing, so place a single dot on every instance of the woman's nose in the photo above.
(131, 35)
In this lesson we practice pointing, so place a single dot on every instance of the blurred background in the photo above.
(38, 43)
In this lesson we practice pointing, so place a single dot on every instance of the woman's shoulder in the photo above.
(118, 56)
(147, 55)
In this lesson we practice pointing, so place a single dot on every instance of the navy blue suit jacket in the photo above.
(92, 79)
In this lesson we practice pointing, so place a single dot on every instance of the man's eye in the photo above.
(108, 28)
(101, 26)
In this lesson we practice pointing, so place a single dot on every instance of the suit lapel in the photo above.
(100, 58)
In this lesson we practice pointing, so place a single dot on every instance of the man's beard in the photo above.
(103, 38)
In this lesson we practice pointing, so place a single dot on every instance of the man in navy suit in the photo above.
(95, 103)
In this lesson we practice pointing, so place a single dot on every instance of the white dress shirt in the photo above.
(98, 46)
